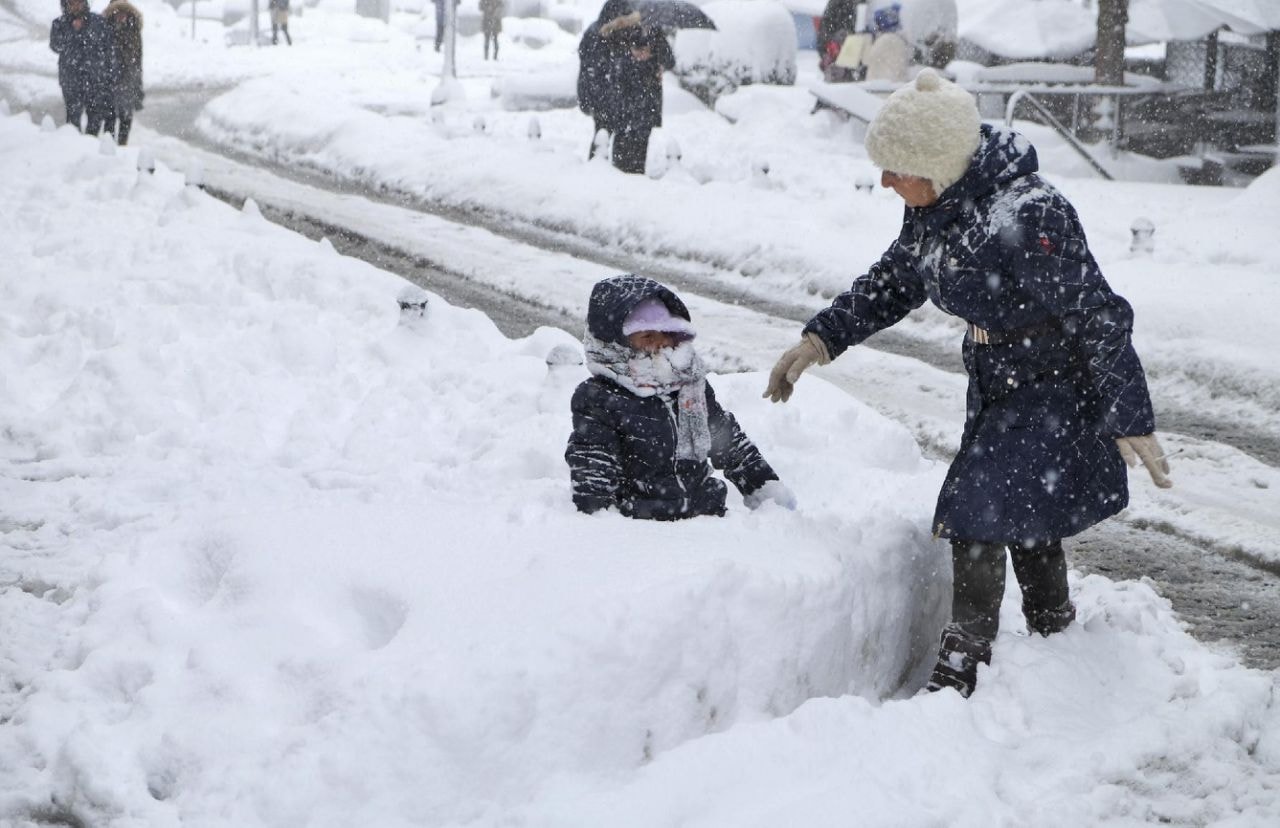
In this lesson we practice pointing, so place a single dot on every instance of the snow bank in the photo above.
(269, 537)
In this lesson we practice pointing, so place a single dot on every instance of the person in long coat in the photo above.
(125, 22)
(279, 21)
(86, 64)
(491, 12)
(1057, 400)
(647, 428)
(621, 62)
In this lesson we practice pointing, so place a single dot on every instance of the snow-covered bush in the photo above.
(754, 42)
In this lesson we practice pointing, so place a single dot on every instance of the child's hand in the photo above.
(775, 491)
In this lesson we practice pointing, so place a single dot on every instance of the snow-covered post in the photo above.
(193, 19)
(449, 88)
(253, 22)
(1143, 236)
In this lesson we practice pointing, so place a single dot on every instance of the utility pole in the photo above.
(1113, 16)
(449, 88)
(253, 24)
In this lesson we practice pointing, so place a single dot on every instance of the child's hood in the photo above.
(612, 300)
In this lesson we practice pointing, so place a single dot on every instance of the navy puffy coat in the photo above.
(623, 448)
(1005, 251)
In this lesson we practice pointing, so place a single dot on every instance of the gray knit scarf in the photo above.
(644, 374)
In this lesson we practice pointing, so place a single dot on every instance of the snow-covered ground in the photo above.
(275, 553)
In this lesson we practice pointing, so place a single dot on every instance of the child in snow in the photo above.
(647, 422)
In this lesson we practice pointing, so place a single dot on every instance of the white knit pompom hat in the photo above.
(928, 128)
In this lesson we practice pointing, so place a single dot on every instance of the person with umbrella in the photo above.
(621, 61)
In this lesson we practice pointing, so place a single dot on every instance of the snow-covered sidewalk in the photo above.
(277, 554)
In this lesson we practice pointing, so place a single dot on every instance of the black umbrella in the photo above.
(672, 14)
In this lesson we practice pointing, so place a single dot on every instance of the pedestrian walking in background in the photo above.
(1057, 400)
(646, 427)
(621, 62)
(86, 64)
(279, 21)
(839, 20)
(491, 12)
(125, 23)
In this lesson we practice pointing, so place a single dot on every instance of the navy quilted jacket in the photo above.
(1004, 250)
(622, 451)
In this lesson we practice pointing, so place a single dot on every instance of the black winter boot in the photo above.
(1049, 621)
(1042, 574)
(958, 658)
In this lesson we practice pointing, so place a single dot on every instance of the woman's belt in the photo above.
(982, 336)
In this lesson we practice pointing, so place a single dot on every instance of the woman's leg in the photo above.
(1042, 573)
(977, 571)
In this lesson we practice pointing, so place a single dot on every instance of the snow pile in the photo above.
(278, 554)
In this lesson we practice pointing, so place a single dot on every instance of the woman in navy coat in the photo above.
(1057, 399)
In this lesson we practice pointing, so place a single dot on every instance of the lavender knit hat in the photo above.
(653, 315)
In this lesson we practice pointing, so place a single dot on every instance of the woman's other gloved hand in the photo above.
(1147, 449)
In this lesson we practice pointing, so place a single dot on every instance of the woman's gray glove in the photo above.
(1147, 449)
(782, 379)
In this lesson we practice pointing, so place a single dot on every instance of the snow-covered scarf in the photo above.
(679, 370)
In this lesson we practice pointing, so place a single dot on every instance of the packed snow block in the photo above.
(301, 535)
(753, 42)
(542, 90)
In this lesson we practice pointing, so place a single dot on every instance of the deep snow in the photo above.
(276, 554)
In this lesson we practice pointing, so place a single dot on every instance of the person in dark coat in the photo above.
(646, 426)
(839, 20)
(125, 22)
(1057, 400)
(491, 12)
(620, 81)
(86, 64)
(279, 21)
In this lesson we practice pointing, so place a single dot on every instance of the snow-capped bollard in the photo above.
(195, 174)
(106, 144)
(47, 124)
(1143, 236)
(562, 356)
(250, 209)
(413, 302)
(146, 161)
(760, 174)
(535, 128)
(864, 183)
(673, 152)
